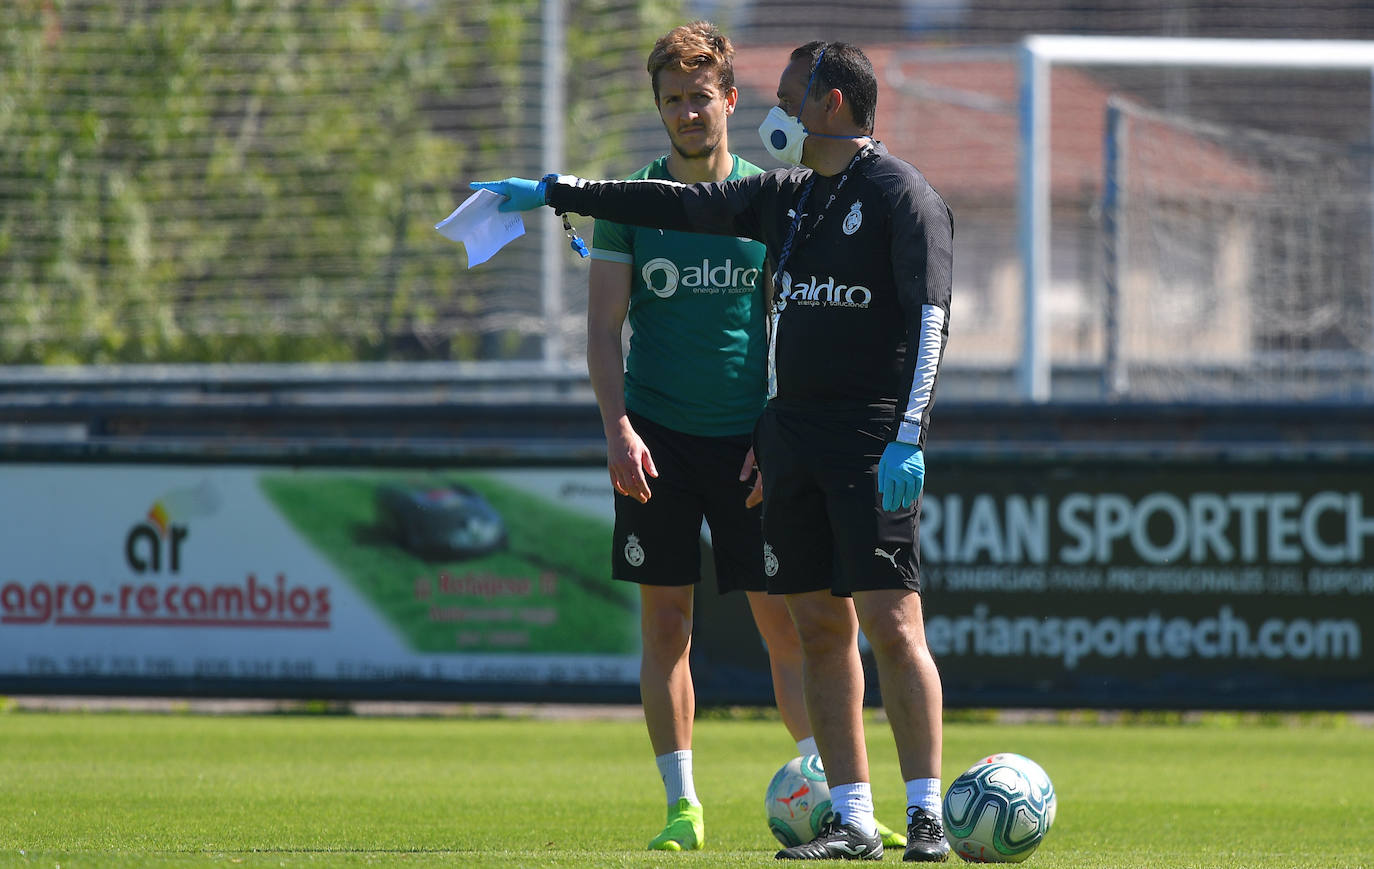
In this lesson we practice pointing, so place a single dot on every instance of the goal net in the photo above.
(1152, 219)
(1233, 213)
(1236, 261)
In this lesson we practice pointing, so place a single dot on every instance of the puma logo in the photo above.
(892, 557)
(787, 801)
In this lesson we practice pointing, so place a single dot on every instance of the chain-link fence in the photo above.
(258, 181)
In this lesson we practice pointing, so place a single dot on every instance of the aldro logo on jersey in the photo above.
(822, 293)
(662, 277)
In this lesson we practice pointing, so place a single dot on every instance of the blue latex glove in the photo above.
(522, 194)
(901, 474)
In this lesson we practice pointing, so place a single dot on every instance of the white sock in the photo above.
(854, 804)
(807, 746)
(925, 792)
(676, 771)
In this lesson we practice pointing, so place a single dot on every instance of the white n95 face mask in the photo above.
(783, 136)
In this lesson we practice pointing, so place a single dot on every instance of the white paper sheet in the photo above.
(480, 227)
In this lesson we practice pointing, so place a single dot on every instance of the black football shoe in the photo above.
(837, 841)
(925, 838)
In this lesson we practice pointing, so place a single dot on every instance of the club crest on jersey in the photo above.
(854, 219)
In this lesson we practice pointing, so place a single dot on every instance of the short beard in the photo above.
(705, 151)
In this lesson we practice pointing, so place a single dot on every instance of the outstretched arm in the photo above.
(721, 208)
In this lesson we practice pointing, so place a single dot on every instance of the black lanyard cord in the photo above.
(789, 241)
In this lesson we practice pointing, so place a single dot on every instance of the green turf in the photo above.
(301, 790)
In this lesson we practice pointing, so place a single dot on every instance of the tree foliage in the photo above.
(255, 180)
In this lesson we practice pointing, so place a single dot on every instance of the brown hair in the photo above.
(691, 47)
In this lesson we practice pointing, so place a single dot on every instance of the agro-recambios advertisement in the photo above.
(406, 578)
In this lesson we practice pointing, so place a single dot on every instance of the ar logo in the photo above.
(161, 535)
(147, 541)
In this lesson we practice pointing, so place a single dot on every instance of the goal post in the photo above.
(1236, 262)
(1039, 55)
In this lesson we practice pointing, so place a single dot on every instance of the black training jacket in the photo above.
(862, 300)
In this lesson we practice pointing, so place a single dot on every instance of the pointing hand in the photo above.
(522, 194)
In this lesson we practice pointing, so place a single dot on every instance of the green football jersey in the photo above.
(698, 347)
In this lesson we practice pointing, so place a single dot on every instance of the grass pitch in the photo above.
(124, 789)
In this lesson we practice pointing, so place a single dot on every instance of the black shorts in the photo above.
(824, 525)
(659, 542)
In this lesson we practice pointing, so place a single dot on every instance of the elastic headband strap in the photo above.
(815, 67)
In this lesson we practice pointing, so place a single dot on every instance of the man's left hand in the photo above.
(749, 469)
(901, 475)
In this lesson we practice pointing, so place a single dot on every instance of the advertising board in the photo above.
(276, 579)
(1064, 582)
(1149, 582)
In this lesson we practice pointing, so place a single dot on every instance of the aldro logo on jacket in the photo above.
(821, 292)
(662, 277)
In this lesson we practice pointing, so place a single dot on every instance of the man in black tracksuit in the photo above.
(861, 251)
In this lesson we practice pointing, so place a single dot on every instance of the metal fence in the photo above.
(258, 182)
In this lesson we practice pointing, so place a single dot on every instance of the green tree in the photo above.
(257, 180)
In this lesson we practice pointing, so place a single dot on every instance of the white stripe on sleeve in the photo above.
(923, 382)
